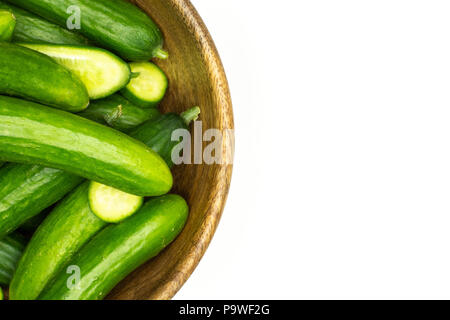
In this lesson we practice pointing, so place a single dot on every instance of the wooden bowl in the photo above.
(196, 77)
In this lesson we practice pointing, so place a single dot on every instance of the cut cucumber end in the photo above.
(161, 54)
(190, 115)
(147, 86)
(7, 25)
(112, 205)
(102, 72)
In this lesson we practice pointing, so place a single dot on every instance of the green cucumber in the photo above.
(118, 112)
(119, 249)
(112, 205)
(35, 76)
(7, 25)
(157, 132)
(116, 25)
(31, 133)
(102, 72)
(149, 85)
(69, 226)
(11, 249)
(48, 236)
(33, 29)
(26, 190)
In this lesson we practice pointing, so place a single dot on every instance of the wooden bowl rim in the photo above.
(189, 260)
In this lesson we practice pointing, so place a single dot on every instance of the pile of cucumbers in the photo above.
(85, 155)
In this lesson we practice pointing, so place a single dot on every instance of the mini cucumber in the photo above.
(116, 25)
(149, 85)
(31, 133)
(26, 190)
(7, 25)
(119, 249)
(118, 112)
(68, 227)
(112, 205)
(35, 76)
(11, 250)
(49, 236)
(34, 29)
(102, 72)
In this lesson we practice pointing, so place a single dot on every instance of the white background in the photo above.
(341, 186)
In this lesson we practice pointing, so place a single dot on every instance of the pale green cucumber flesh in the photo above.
(102, 72)
(68, 227)
(149, 85)
(118, 26)
(34, 76)
(112, 205)
(120, 248)
(7, 25)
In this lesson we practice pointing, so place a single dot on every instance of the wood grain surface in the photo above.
(196, 77)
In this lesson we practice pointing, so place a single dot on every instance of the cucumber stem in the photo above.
(190, 115)
(161, 54)
(114, 116)
(135, 75)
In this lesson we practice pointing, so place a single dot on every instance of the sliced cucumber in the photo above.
(102, 72)
(1, 293)
(148, 87)
(112, 205)
(7, 25)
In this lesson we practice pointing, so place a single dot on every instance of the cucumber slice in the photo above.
(112, 205)
(7, 25)
(1, 293)
(102, 72)
(148, 87)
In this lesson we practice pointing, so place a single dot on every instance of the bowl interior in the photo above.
(196, 78)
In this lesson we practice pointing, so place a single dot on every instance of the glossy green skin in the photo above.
(119, 249)
(26, 190)
(83, 61)
(70, 225)
(157, 133)
(31, 133)
(34, 76)
(118, 112)
(130, 32)
(11, 249)
(7, 25)
(32, 28)
(50, 261)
